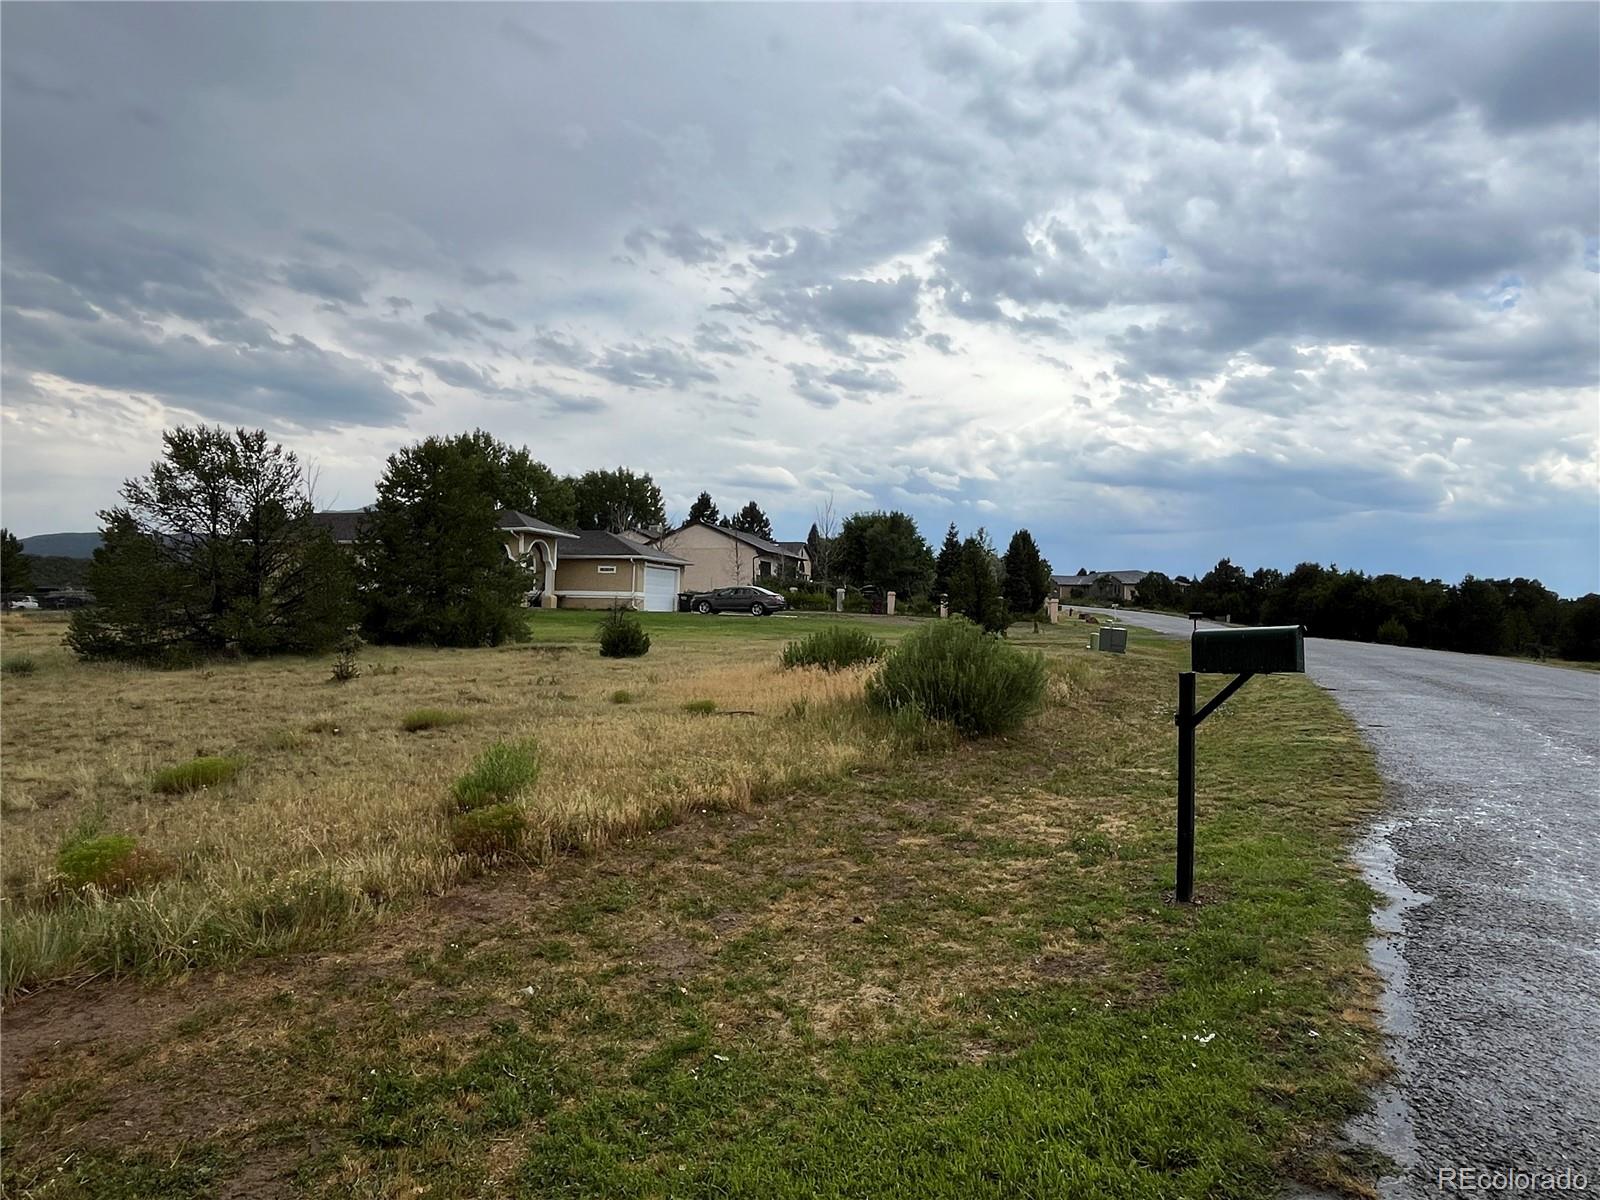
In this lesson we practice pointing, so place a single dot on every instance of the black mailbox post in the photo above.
(1240, 653)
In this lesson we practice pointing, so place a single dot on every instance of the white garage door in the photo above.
(661, 589)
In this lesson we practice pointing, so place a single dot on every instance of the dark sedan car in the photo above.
(755, 600)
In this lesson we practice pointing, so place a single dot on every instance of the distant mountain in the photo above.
(62, 545)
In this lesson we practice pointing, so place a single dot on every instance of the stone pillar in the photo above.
(944, 609)
(838, 599)
(888, 605)
(1052, 608)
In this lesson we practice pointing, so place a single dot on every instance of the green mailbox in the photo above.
(1258, 651)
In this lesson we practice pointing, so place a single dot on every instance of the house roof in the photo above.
(596, 543)
(521, 522)
(739, 535)
(345, 524)
(1127, 577)
(796, 549)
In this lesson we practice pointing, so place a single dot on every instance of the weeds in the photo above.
(204, 772)
(345, 666)
(19, 664)
(621, 696)
(700, 707)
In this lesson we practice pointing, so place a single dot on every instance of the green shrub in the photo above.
(621, 635)
(501, 773)
(703, 707)
(493, 829)
(834, 648)
(112, 862)
(19, 664)
(952, 671)
(1393, 632)
(810, 602)
(197, 773)
(420, 719)
(622, 696)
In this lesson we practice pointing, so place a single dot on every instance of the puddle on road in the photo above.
(1389, 1127)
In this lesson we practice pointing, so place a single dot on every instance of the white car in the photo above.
(22, 602)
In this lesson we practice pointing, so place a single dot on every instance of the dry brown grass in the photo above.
(356, 813)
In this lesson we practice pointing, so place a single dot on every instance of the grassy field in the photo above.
(337, 810)
(954, 973)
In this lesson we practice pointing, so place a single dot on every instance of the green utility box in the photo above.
(1113, 638)
(1248, 651)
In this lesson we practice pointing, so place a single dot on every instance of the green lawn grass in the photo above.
(962, 977)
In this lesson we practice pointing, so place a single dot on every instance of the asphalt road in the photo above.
(1490, 943)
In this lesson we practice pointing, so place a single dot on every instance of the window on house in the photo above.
(606, 570)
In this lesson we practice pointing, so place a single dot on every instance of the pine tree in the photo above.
(433, 563)
(750, 519)
(974, 590)
(215, 549)
(704, 509)
(16, 575)
(1027, 574)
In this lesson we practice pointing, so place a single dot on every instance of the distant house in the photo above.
(568, 569)
(721, 557)
(1116, 587)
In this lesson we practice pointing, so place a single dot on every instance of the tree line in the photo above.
(1476, 616)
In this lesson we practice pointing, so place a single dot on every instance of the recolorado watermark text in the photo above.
(1512, 1179)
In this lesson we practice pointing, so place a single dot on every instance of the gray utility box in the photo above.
(1114, 638)
(1259, 651)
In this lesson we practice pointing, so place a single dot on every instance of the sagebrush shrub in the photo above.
(493, 829)
(621, 635)
(834, 649)
(112, 862)
(952, 671)
(501, 774)
(622, 696)
(197, 773)
(700, 707)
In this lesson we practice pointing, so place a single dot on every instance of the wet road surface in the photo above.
(1489, 853)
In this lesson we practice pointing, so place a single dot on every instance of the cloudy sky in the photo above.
(1279, 282)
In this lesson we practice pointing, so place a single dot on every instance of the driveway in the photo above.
(1490, 942)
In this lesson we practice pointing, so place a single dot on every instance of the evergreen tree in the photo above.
(704, 509)
(974, 590)
(215, 549)
(433, 563)
(944, 566)
(1027, 574)
(16, 574)
(750, 519)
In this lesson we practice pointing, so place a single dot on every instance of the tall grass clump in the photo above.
(834, 649)
(19, 664)
(420, 719)
(488, 819)
(621, 635)
(952, 671)
(111, 862)
(502, 773)
(207, 771)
